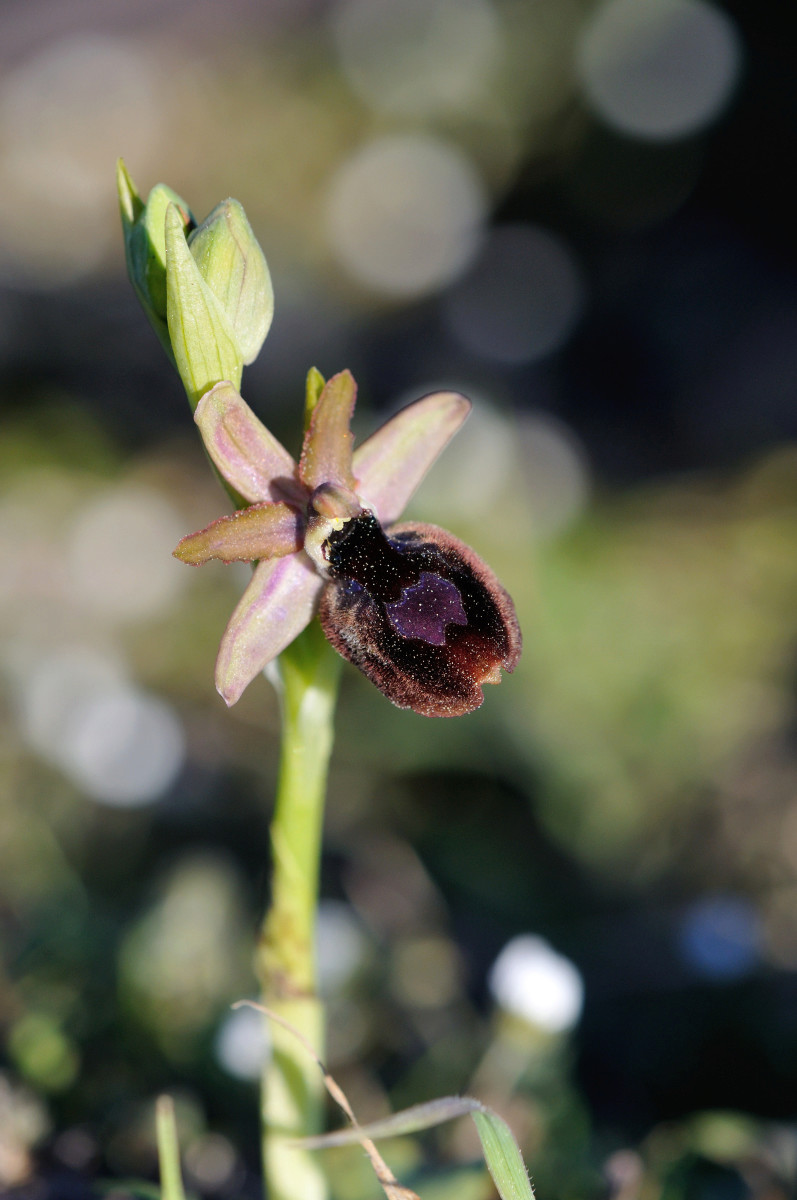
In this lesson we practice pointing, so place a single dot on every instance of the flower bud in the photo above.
(145, 245)
(203, 341)
(234, 267)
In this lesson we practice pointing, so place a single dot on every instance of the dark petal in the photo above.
(439, 629)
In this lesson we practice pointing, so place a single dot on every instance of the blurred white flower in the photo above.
(530, 980)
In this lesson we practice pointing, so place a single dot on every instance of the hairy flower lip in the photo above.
(295, 509)
(436, 680)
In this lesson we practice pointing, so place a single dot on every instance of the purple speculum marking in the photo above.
(426, 608)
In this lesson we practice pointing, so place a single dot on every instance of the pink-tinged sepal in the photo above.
(419, 613)
(246, 454)
(327, 451)
(391, 463)
(414, 608)
(277, 605)
(261, 531)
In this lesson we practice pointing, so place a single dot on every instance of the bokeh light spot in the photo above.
(405, 214)
(126, 748)
(23, 1122)
(75, 1148)
(188, 956)
(242, 1043)
(43, 1052)
(555, 473)
(120, 745)
(520, 300)
(119, 554)
(426, 972)
(212, 1163)
(720, 937)
(465, 485)
(341, 946)
(659, 68)
(420, 56)
(52, 689)
(64, 115)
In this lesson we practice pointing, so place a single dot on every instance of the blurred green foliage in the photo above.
(640, 760)
(659, 629)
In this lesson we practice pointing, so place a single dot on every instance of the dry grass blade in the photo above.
(390, 1185)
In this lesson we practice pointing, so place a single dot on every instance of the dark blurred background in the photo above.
(579, 903)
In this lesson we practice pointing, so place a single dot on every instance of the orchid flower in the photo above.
(409, 604)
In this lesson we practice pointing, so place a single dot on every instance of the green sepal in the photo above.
(203, 342)
(158, 202)
(234, 267)
(145, 246)
(130, 203)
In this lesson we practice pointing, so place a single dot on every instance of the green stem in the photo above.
(292, 1100)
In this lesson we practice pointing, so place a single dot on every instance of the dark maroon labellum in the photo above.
(419, 613)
